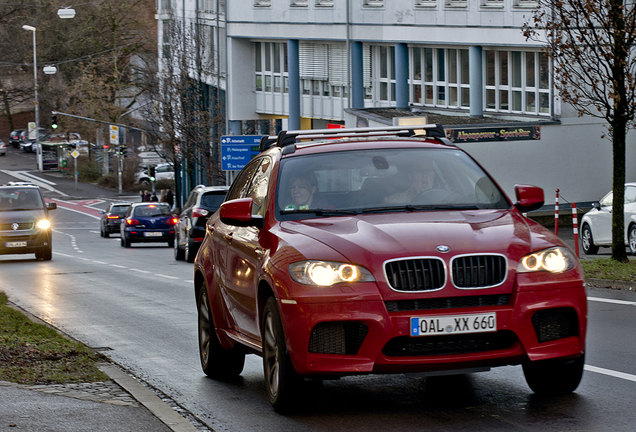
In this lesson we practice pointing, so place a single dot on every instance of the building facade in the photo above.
(316, 62)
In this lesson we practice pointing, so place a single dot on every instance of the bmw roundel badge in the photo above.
(442, 248)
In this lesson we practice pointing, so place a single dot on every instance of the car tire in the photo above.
(554, 377)
(189, 253)
(101, 231)
(632, 239)
(282, 382)
(106, 234)
(587, 241)
(178, 253)
(217, 362)
(171, 243)
(127, 242)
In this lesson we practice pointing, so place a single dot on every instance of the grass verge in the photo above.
(32, 353)
(607, 268)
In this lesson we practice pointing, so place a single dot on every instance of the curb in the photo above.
(149, 399)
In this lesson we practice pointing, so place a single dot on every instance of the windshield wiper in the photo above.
(320, 212)
(412, 207)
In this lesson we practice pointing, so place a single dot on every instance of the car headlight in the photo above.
(43, 224)
(553, 260)
(327, 273)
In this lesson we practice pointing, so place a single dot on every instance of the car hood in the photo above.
(370, 240)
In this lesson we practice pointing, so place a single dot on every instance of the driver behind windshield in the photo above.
(420, 179)
(302, 188)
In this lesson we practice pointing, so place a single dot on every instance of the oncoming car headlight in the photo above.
(327, 273)
(553, 260)
(43, 224)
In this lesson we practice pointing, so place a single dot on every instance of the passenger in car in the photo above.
(303, 187)
(420, 179)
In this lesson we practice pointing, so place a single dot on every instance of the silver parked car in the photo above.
(596, 225)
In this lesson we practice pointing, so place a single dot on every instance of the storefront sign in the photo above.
(459, 136)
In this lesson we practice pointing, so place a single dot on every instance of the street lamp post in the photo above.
(37, 107)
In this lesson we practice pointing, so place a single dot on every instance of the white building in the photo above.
(286, 59)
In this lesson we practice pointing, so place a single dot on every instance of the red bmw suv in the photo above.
(383, 250)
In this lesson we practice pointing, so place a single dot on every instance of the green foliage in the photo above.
(608, 268)
(32, 353)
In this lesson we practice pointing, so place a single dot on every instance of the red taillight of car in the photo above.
(132, 222)
(173, 221)
(199, 212)
(112, 217)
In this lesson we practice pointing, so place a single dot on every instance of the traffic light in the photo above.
(151, 172)
(54, 121)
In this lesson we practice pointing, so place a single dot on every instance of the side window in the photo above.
(260, 185)
(630, 194)
(241, 184)
(191, 200)
(607, 200)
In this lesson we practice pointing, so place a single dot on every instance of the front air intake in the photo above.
(340, 337)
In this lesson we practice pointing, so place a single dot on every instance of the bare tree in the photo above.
(188, 117)
(590, 43)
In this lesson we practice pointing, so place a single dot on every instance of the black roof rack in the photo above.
(287, 138)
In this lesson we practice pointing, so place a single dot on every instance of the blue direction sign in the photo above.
(238, 150)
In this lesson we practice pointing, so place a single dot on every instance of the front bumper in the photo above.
(35, 242)
(353, 337)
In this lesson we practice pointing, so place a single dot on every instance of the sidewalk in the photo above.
(123, 404)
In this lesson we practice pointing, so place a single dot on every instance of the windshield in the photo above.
(365, 181)
(20, 199)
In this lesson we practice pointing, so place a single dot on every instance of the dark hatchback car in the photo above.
(14, 137)
(190, 230)
(148, 222)
(357, 253)
(111, 218)
(24, 222)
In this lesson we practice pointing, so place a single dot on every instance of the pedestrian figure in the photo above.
(146, 196)
(153, 197)
(169, 197)
(162, 196)
(141, 196)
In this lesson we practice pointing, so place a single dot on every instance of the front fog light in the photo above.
(43, 224)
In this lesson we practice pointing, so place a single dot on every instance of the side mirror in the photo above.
(238, 212)
(51, 206)
(528, 198)
(102, 211)
(596, 206)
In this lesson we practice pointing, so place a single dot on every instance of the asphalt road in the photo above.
(137, 306)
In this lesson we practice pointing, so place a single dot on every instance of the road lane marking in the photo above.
(605, 300)
(140, 271)
(119, 266)
(609, 372)
(166, 276)
(24, 176)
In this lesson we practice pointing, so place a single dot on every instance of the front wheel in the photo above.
(554, 377)
(216, 361)
(282, 382)
(632, 239)
(587, 241)
(189, 253)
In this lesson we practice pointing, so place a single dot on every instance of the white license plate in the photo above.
(15, 244)
(153, 234)
(453, 324)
